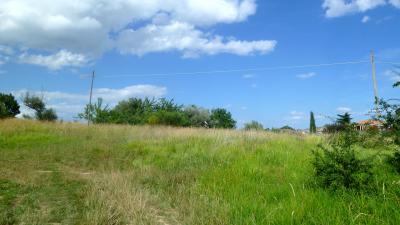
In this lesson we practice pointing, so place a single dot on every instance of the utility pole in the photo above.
(90, 101)
(375, 84)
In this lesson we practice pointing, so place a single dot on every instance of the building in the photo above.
(365, 124)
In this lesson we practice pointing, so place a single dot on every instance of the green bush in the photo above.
(253, 125)
(337, 165)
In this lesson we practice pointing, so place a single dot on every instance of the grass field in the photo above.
(72, 174)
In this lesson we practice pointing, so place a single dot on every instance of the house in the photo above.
(365, 124)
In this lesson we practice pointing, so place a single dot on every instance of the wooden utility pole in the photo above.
(375, 84)
(90, 100)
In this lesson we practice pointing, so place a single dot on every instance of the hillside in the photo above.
(53, 173)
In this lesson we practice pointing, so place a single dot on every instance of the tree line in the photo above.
(138, 111)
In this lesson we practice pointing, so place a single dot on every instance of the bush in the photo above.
(338, 166)
(9, 107)
(221, 118)
(395, 161)
(253, 125)
(41, 112)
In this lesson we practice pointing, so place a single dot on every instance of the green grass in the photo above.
(72, 174)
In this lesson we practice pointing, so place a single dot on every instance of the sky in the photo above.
(272, 61)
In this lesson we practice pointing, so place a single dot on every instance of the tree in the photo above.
(221, 118)
(287, 127)
(37, 104)
(197, 116)
(96, 113)
(253, 125)
(9, 107)
(344, 120)
(389, 114)
(313, 127)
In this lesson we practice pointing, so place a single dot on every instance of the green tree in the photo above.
(96, 113)
(253, 125)
(9, 107)
(287, 127)
(221, 118)
(37, 104)
(343, 121)
(313, 127)
(197, 116)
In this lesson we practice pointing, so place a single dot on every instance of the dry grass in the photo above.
(52, 173)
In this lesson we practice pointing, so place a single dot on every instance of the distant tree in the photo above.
(331, 128)
(344, 120)
(197, 116)
(96, 113)
(9, 107)
(133, 111)
(397, 84)
(253, 125)
(221, 118)
(313, 127)
(287, 128)
(37, 104)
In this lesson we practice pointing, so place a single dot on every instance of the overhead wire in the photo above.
(235, 70)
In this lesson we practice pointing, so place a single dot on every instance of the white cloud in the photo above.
(244, 108)
(393, 76)
(114, 95)
(306, 75)
(179, 36)
(343, 109)
(88, 28)
(69, 105)
(365, 19)
(248, 76)
(337, 8)
(295, 115)
(61, 59)
(395, 3)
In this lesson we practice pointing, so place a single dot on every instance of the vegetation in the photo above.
(37, 104)
(338, 166)
(107, 174)
(9, 107)
(389, 113)
(253, 125)
(136, 111)
(313, 127)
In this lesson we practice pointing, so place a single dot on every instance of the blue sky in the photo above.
(157, 48)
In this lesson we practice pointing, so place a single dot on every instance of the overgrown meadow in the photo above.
(62, 173)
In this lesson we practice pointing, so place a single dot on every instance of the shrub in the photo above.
(41, 112)
(221, 118)
(253, 125)
(9, 107)
(338, 166)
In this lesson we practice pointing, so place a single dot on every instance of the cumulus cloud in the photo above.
(248, 76)
(395, 3)
(393, 76)
(306, 75)
(69, 105)
(343, 109)
(295, 115)
(56, 61)
(365, 19)
(337, 8)
(178, 36)
(88, 28)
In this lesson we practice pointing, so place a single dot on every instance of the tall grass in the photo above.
(72, 174)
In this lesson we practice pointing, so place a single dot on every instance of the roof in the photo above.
(370, 122)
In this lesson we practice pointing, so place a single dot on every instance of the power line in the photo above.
(237, 70)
